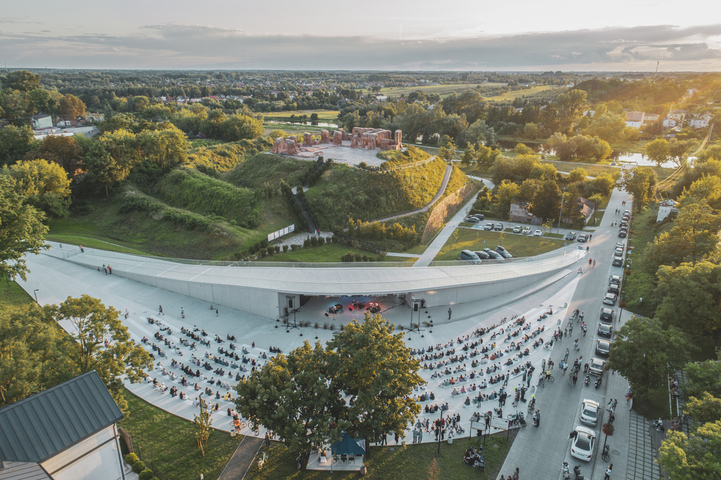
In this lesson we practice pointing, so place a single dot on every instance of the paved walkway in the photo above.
(242, 459)
(641, 452)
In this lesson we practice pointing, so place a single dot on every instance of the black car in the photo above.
(622, 234)
(472, 220)
(581, 238)
(617, 261)
(504, 253)
(606, 315)
(493, 254)
(479, 216)
(613, 288)
(482, 255)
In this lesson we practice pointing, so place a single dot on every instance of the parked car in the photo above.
(617, 261)
(605, 330)
(596, 366)
(589, 412)
(623, 224)
(538, 233)
(526, 231)
(582, 238)
(614, 280)
(622, 234)
(618, 252)
(570, 236)
(482, 255)
(606, 315)
(493, 254)
(504, 253)
(498, 227)
(613, 288)
(620, 245)
(479, 216)
(610, 299)
(488, 226)
(472, 220)
(516, 229)
(583, 443)
(603, 347)
(469, 256)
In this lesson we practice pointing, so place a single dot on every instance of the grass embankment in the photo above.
(13, 295)
(168, 442)
(517, 245)
(329, 252)
(267, 169)
(344, 192)
(412, 462)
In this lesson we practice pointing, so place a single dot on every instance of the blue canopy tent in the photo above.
(348, 446)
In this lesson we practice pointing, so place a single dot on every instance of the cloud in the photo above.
(199, 46)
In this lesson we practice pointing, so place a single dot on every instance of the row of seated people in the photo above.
(426, 397)
(471, 388)
(435, 408)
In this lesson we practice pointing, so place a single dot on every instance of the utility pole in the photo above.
(560, 213)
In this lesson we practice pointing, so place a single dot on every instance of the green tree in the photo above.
(65, 151)
(641, 183)
(658, 151)
(21, 230)
(34, 353)
(45, 185)
(704, 409)
(203, 424)
(111, 157)
(547, 202)
(678, 149)
(239, 127)
(375, 369)
(297, 397)
(693, 457)
(570, 107)
(645, 353)
(468, 155)
(506, 193)
(166, 148)
(93, 324)
(140, 103)
(21, 80)
(703, 377)
(14, 143)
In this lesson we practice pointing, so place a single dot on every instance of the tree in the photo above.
(110, 158)
(639, 182)
(547, 202)
(65, 151)
(203, 423)
(445, 153)
(239, 127)
(468, 155)
(103, 344)
(570, 106)
(704, 409)
(506, 192)
(14, 143)
(297, 397)
(45, 185)
(166, 148)
(21, 80)
(658, 151)
(34, 353)
(703, 377)
(692, 457)
(21, 230)
(71, 107)
(678, 149)
(374, 368)
(645, 353)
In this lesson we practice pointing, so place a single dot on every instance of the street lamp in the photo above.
(35, 292)
(560, 213)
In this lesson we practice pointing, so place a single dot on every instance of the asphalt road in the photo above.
(540, 452)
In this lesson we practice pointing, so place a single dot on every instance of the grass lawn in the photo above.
(328, 252)
(413, 462)
(90, 242)
(12, 295)
(442, 90)
(329, 116)
(168, 442)
(517, 245)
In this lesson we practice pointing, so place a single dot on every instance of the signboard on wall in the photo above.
(282, 232)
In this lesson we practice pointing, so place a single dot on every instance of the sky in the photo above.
(467, 35)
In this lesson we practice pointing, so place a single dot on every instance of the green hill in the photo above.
(268, 169)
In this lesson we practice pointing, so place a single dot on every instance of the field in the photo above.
(512, 95)
(169, 443)
(12, 295)
(326, 116)
(329, 252)
(442, 90)
(410, 462)
(517, 245)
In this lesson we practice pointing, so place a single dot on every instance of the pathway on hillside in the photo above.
(242, 459)
(444, 184)
(448, 230)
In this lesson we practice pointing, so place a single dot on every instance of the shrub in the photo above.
(316, 325)
(321, 240)
(285, 248)
(131, 458)
(294, 247)
(306, 242)
(270, 250)
(140, 204)
(139, 466)
(313, 241)
(146, 474)
(277, 248)
(358, 257)
(332, 327)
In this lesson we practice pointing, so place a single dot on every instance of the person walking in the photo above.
(160, 310)
(449, 313)
(608, 472)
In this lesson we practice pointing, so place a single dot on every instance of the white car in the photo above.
(583, 443)
(610, 299)
(538, 233)
(516, 229)
(589, 412)
(526, 231)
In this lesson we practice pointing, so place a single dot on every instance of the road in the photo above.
(542, 450)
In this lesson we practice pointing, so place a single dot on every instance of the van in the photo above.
(469, 256)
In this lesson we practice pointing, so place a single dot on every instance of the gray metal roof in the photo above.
(40, 426)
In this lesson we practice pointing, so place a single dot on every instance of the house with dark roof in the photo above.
(42, 121)
(67, 432)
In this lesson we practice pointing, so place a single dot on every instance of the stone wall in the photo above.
(446, 208)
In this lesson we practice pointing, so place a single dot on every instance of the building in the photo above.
(519, 213)
(635, 119)
(67, 432)
(665, 209)
(700, 121)
(587, 208)
(42, 121)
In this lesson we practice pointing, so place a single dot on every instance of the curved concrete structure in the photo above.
(266, 290)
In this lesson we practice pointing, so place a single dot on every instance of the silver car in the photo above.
(589, 412)
(610, 299)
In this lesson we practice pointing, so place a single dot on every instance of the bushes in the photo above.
(147, 474)
(131, 458)
(139, 466)
(140, 204)
(187, 220)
